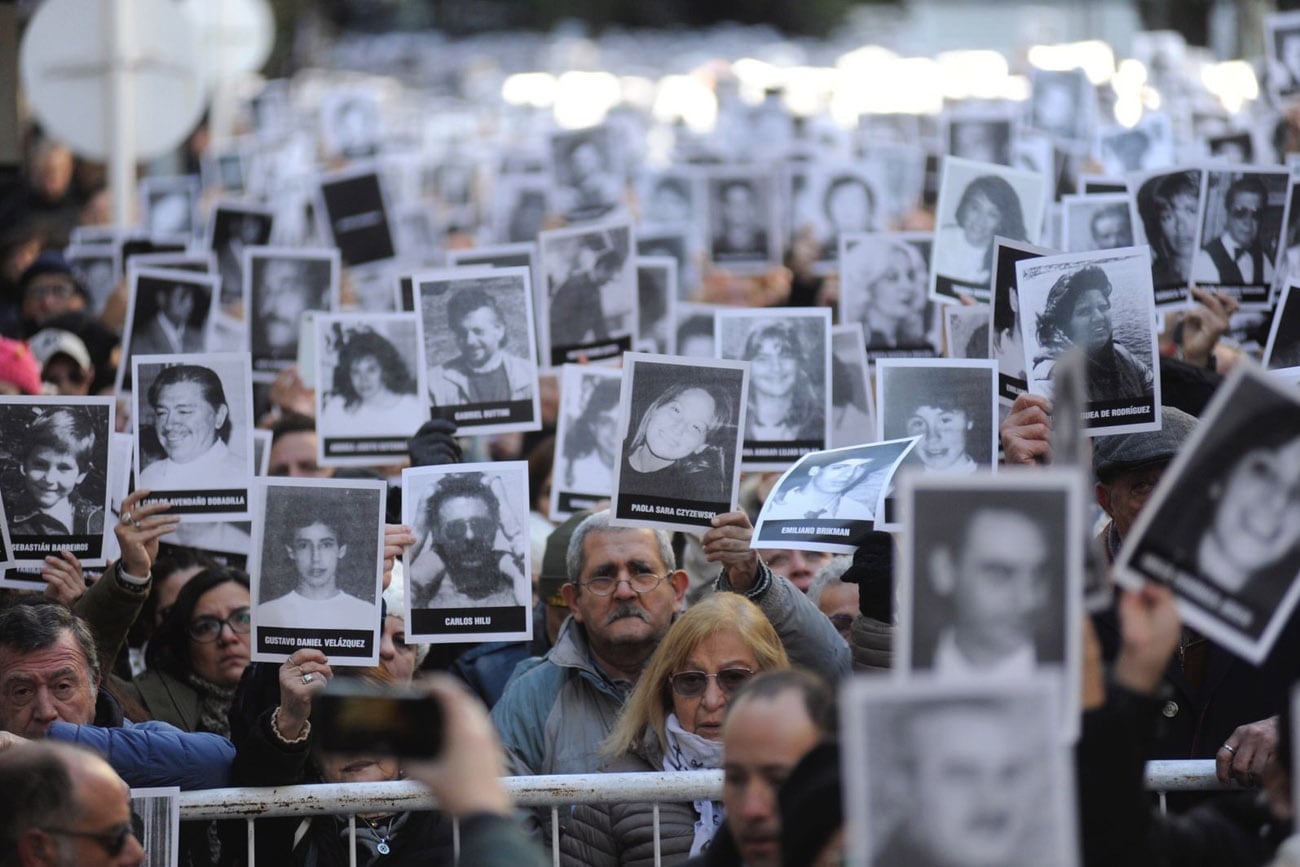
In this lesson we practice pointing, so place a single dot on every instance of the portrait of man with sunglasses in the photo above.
(1241, 253)
(470, 555)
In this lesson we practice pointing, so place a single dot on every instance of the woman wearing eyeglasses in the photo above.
(673, 722)
(198, 654)
(194, 661)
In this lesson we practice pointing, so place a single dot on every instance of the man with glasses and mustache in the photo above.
(1236, 257)
(64, 807)
(623, 593)
(468, 571)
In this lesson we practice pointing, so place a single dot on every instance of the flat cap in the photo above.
(555, 569)
(1114, 454)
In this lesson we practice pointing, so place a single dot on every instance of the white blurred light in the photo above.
(686, 97)
(638, 90)
(1093, 56)
(755, 77)
(1128, 111)
(907, 85)
(1232, 81)
(865, 60)
(583, 99)
(808, 89)
(972, 74)
(529, 88)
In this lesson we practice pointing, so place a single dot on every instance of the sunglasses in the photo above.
(205, 629)
(692, 684)
(1241, 212)
(113, 841)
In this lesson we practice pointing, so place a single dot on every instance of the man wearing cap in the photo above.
(1216, 704)
(842, 490)
(64, 359)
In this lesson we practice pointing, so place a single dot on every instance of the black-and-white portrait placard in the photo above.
(194, 261)
(978, 201)
(194, 433)
(520, 203)
(1223, 526)
(1100, 185)
(670, 198)
(681, 423)
(678, 244)
(883, 280)
(477, 337)
(991, 579)
(828, 501)
(656, 301)
(951, 404)
(156, 822)
(1096, 222)
(960, 773)
(317, 568)
(590, 303)
(282, 285)
(586, 438)
(97, 267)
(1005, 343)
(169, 311)
(981, 136)
(1240, 232)
(468, 574)
(350, 122)
(355, 215)
(587, 166)
(1147, 147)
(1167, 210)
(54, 477)
(495, 256)
(170, 205)
(788, 409)
(1101, 302)
(695, 329)
(1282, 353)
(1287, 268)
(845, 201)
(1282, 47)
(853, 413)
(233, 227)
(1061, 104)
(744, 222)
(966, 330)
(370, 387)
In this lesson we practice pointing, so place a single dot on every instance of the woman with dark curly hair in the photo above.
(1169, 206)
(1078, 314)
(672, 450)
(784, 401)
(373, 391)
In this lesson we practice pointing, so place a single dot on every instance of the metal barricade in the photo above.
(555, 792)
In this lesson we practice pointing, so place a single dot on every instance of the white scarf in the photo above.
(688, 751)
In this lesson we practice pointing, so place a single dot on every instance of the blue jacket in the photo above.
(151, 754)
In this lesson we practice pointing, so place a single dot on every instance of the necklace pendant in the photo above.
(383, 848)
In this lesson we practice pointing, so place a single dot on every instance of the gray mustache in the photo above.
(626, 610)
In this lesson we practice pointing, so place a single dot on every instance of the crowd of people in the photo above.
(651, 651)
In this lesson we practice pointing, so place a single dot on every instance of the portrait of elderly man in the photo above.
(987, 582)
(1236, 257)
(483, 372)
(192, 425)
(845, 489)
(457, 562)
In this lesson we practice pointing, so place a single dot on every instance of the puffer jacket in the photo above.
(622, 835)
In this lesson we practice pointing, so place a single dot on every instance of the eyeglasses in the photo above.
(692, 684)
(113, 841)
(842, 622)
(605, 585)
(1241, 212)
(205, 629)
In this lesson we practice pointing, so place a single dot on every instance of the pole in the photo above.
(120, 118)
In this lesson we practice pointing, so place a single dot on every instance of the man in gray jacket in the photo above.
(623, 595)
